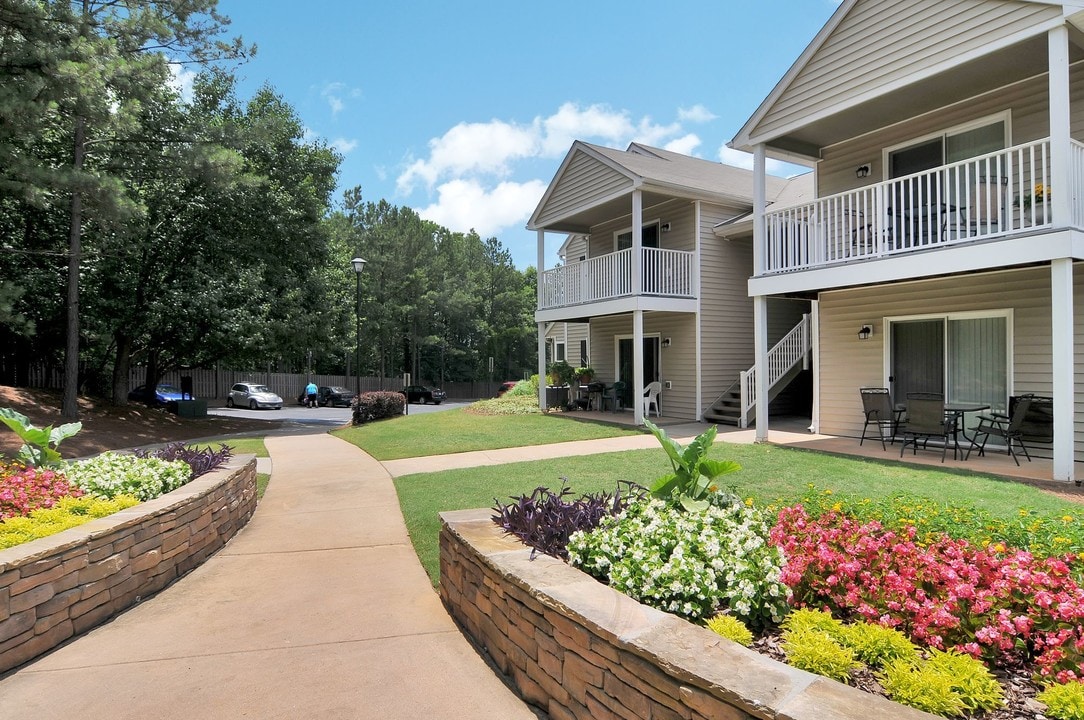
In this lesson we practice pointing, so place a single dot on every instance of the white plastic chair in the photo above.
(651, 398)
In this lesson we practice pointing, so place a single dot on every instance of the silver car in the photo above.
(253, 395)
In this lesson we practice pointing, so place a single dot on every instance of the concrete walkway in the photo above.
(318, 609)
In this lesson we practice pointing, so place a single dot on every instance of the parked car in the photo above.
(253, 395)
(506, 386)
(163, 394)
(335, 396)
(423, 394)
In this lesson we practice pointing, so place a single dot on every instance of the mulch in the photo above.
(109, 427)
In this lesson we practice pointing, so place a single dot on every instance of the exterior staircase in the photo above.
(786, 360)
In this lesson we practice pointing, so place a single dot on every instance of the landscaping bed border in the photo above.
(57, 587)
(578, 649)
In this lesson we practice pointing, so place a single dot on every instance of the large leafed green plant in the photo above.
(692, 480)
(39, 444)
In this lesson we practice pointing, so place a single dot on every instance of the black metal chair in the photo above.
(926, 419)
(1009, 428)
(877, 407)
(613, 396)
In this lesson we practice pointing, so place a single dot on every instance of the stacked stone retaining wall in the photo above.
(60, 586)
(577, 649)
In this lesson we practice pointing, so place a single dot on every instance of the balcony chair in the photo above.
(651, 398)
(926, 419)
(877, 407)
(1009, 428)
(986, 212)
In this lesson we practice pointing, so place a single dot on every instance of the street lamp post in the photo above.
(359, 266)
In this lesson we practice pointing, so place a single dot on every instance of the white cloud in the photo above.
(471, 148)
(463, 204)
(685, 144)
(570, 122)
(334, 93)
(696, 114)
(181, 79)
(343, 145)
(739, 158)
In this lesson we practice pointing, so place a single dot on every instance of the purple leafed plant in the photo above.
(200, 461)
(544, 520)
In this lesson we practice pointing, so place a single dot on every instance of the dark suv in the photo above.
(335, 396)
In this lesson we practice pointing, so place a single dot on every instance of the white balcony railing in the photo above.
(666, 273)
(980, 198)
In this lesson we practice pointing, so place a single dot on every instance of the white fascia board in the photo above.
(1031, 31)
(617, 306)
(948, 261)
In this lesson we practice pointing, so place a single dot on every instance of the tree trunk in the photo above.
(70, 403)
(121, 369)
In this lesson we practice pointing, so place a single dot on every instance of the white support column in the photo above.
(638, 367)
(815, 329)
(542, 366)
(637, 242)
(1061, 321)
(760, 302)
(699, 358)
(541, 326)
(1060, 147)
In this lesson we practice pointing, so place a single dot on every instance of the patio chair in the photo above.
(877, 407)
(651, 398)
(926, 419)
(1009, 428)
(612, 396)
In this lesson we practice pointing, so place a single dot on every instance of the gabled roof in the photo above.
(870, 49)
(593, 177)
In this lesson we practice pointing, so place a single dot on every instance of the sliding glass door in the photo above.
(964, 357)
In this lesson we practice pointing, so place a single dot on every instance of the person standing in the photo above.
(310, 392)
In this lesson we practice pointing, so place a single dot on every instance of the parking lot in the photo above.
(294, 413)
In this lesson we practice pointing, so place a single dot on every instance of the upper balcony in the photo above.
(606, 284)
(998, 196)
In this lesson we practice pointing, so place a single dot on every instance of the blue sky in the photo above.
(464, 111)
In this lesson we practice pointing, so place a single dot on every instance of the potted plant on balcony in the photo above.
(585, 374)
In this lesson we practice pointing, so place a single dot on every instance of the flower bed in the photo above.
(62, 585)
(576, 648)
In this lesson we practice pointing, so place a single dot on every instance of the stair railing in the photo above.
(788, 352)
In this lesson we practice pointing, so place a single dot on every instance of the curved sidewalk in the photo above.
(318, 608)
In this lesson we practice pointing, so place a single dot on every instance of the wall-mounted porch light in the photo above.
(665, 227)
(862, 171)
(666, 342)
(865, 332)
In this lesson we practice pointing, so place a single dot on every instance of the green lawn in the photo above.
(453, 431)
(769, 474)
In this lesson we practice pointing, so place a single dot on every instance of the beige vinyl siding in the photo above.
(576, 249)
(678, 362)
(884, 42)
(1029, 121)
(679, 213)
(847, 363)
(584, 183)
(726, 310)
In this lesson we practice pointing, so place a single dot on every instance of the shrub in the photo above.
(544, 520)
(816, 652)
(68, 512)
(806, 619)
(948, 684)
(1064, 702)
(199, 460)
(688, 563)
(370, 406)
(23, 489)
(507, 404)
(731, 628)
(111, 474)
(877, 645)
(525, 387)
